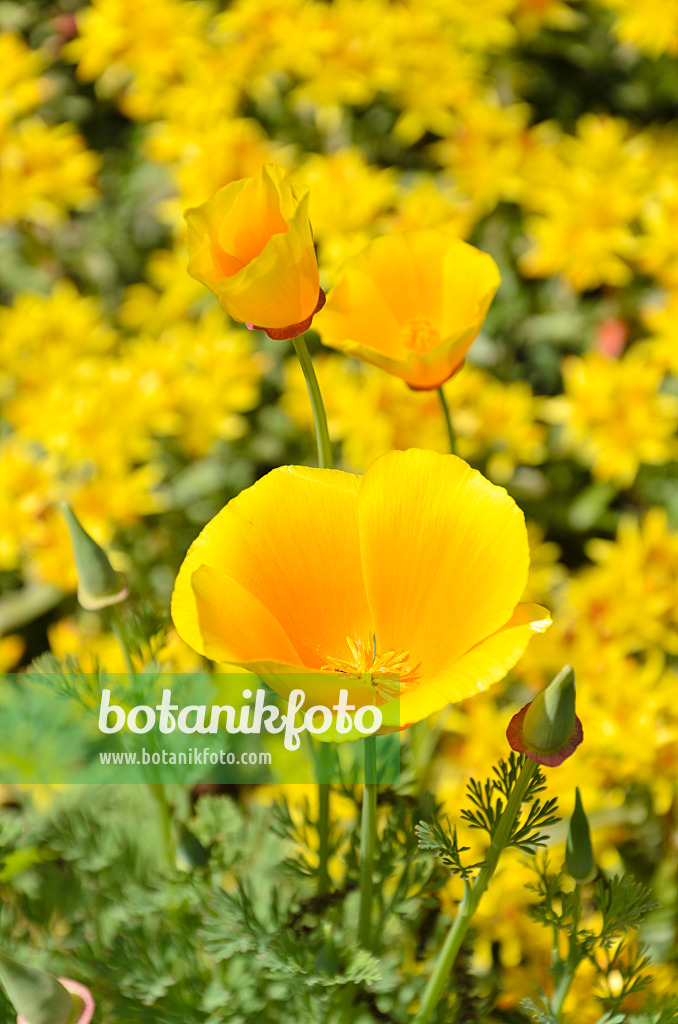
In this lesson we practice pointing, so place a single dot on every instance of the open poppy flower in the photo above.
(411, 303)
(251, 244)
(401, 586)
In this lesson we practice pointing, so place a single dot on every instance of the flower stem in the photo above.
(448, 419)
(325, 461)
(368, 837)
(157, 790)
(319, 415)
(570, 965)
(473, 893)
(118, 631)
(323, 764)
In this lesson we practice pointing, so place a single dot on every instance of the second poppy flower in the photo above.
(411, 303)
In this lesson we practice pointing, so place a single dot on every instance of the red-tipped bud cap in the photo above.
(547, 729)
(40, 998)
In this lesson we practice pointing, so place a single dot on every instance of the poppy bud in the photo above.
(99, 585)
(190, 851)
(547, 729)
(40, 998)
(579, 862)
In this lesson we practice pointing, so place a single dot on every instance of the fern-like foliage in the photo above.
(488, 802)
(434, 838)
(489, 799)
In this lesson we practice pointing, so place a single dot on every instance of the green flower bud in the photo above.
(327, 961)
(37, 997)
(190, 851)
(547, 729)
(579, 860)
(99, 585)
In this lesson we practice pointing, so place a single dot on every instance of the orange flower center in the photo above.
(390, 673)
(420, 335)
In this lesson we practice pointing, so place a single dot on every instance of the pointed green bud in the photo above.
(99, 585)
(550, 719)
(547, 729)
(579, 860)
(37, 997)
(327, 961)
(190, 851)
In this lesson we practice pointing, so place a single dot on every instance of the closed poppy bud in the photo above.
(40, 998)
(190, 851)
(412, 304)
(99, 585)
(579, 862)
(251, 244)
(547, 729)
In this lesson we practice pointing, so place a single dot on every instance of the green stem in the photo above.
(118, 631)
(570, 965)
(448, 419)
(472, 896)
(324, 834)
(325, 461)
(157, 790)
(319, 416)
(368, 837)
(323, 769)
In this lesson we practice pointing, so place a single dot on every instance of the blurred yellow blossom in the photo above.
(21, 87)
(113, 44)
(615, 415)
(11, 650)
(584, 194)
(487, 152)
(652, 26)
(44, 170)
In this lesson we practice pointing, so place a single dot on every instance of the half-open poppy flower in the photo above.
(401, 586)
(251, 244)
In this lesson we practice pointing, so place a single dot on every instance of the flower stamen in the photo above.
(420, 335)
(389, 673)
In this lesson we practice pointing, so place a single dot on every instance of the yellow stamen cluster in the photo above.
(420, 335)
(390, 673)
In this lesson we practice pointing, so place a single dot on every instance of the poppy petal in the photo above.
(233, 625)
(479, 668)
(445, 556)
(291, 542)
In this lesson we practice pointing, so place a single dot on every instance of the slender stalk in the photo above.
(448, 419)
(570, 965)
(472, 896)
(325, 461)
(323, 769)
(118, 632)
(319, 415)
(324, 835)
(157, 790)
(368, 837)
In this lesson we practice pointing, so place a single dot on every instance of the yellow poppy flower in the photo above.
(401, 586)
(411, 303)
(251, 244)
